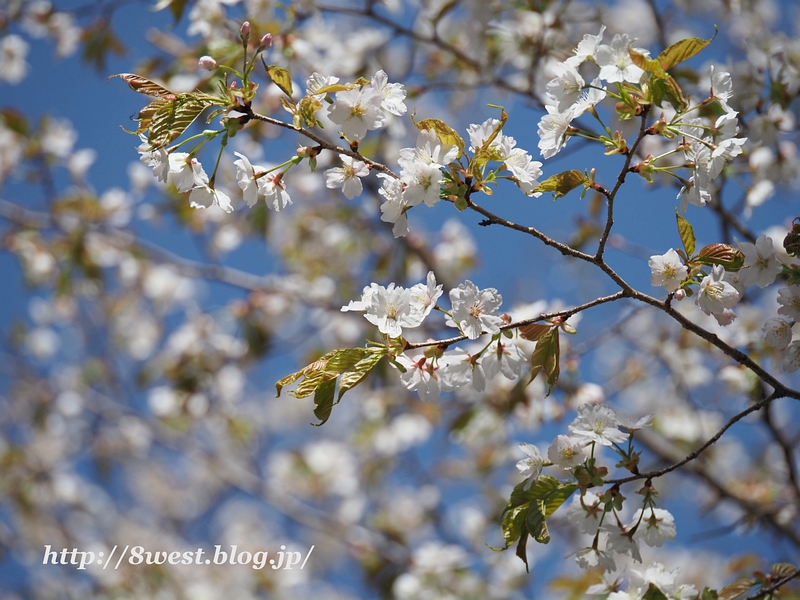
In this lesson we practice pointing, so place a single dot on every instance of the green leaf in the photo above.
(534, 331)
(446, 134)
(721, 254)
(653, 593)
(546, 356)
(281, 77)
(359, 372)
(167, 120)
(782, 569)
(144, 86)
(323, 400)
(709, 594)
(562, 183)
(735, 589)
(682, 50)
(317, 365)
(662, 87)
(648, 64)
(686, 232)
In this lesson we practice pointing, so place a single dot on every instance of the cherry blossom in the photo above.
(668, 270)
(348, 176)
(473, 310)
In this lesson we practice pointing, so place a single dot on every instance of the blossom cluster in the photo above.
(720, 291)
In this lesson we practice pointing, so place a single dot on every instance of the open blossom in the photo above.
(667, 270)
(425, 295)
(205, 197)
(553, 130)
(531, 465)
(525, 170)
(186, 171)
(597, 423)
(473, 310)
(761, 265)
(357, 111)
(393, 94)
(420, 376)
(478, 134)
(13, 51)
(458, 368)
(791, 358)
(615, 61)
(722, 88)
(391, 308)
(506, 358)
(697, 191)
(274, 191)
(715, 294)
(657, 526)
(789, 299)
(429, 150)
(567, 452)
(777, 333)
(394, 209)
(584, 512)
(565, 89)
(347, 176)
(246, 178)
(587, 48)
(316, 82)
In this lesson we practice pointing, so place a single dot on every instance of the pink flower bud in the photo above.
(679, 294)
(245, 30)
(266, 40)
(207, 63)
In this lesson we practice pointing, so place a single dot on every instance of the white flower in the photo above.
(395, 208)
(715, 294)
(473, 310)
(597, 423)
(421, 183)
(347, 176)
(777, 333)
(429, 150)
(590, 96)
(366, 298)
(657, 526)
(13, 51)
(424, 295)
(158, 159)
(390, 309)
(761, 265)
(531, 466)
(420, 376)
(566, 452)
(245, 177)
(525, 170)
(588, 558)
(697, 190)
(274, 191)
(204, 197)
(317, 82)
(357, 111)
(553, 130)
(587, 48)
(621, 541)
(789, 299)
(506, 358)
(567, 86)
(478, 134)
(585, 512)
(722, 88)
(457, 369)
(186, 171)
(615, 61)
(791, 358)
(631, 423)
(667, 270)
(393, 94)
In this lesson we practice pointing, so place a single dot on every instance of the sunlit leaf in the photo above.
(281, 77)
(682, 50)
(145, 86)
(686, 232)
(735, 589)
(562, 183)
(446, 134)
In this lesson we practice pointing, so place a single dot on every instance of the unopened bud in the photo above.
(679, 294)
(266, 40)
(244, 31)
(207, 63)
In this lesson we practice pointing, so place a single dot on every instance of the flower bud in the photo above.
(207, 63)
(244, 31)
(679, 294)
(266, 40)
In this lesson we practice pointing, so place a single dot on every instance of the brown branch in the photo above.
(565, 314)
(775, 585)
